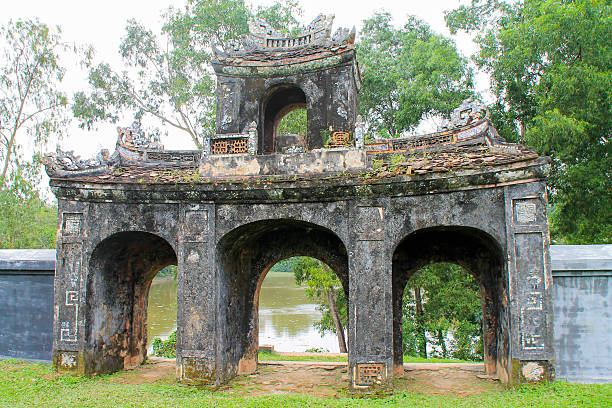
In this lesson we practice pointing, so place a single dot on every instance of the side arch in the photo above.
(120, 270)
(245, 255)
(483, 257)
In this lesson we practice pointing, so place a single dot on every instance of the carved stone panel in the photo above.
(525, 211)
(367, 374)
(369, 223)
(68, 284)
(228, 105)
(529, 264)
(72, 224)
(195, 227)
(69, 317)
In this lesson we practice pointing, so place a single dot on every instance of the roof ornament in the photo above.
(263, 37)
(135, 137)
(63, 163)
(471, 110)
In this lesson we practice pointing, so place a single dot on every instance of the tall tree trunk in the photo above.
(442, 342)
(422, 339)
(331, 295)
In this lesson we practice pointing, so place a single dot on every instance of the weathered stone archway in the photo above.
(121, 269)
(374, 212)
(483, 257)
(245, 255)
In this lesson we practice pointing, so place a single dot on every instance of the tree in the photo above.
(323, 284)
(441, 306)
(33, 108)
(294, 122)
(550, 65)
(168, 78)
(26, 222)
(409, 74)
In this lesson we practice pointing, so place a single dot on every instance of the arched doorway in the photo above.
(245, 256)
(121, 269)
(280, 101)
(442, 314)
(479, 254)
(301, 307)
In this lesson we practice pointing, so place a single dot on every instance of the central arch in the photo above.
(482, 256)
(245, 255)
(278, 102)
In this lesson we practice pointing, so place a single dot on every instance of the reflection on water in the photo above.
(286, 314)
(161, 311)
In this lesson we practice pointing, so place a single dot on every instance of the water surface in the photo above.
(286, 314)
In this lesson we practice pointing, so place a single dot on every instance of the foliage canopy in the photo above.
(550, 64)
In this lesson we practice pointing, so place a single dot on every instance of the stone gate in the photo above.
(375, 212)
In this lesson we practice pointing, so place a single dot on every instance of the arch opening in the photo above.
(291, 130)
(301, 307)
(480, 255)
(121, 270)
(442, 314)
(246, 255)
(281, 101)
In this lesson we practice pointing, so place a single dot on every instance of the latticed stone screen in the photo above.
(231, 146)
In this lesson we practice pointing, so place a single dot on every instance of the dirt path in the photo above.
(328, 380)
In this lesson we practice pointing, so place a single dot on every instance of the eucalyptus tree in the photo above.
(167, 77)
(32, 103)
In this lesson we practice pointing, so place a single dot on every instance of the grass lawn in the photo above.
(264, 356)
(25, 384)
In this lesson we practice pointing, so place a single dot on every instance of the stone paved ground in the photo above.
(329, 379)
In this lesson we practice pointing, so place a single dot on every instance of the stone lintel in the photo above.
(275, 188)
(317, 161)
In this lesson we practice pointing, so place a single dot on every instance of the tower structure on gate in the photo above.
(267, 75)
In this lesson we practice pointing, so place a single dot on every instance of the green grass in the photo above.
(264, 356)
(35, 385)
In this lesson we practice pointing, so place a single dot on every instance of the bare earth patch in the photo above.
(328, 379)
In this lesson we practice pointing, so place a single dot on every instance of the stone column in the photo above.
(70, 287)
(370, 303)
(532, 352)
(197, 298)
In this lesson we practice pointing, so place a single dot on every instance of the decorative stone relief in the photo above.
(533, 371)
(532, 316)
(69, 320)
(72, 223)
(369, 223)
(196, 225)
(525, 211)
(367, 374)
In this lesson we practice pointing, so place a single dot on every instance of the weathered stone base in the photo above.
(68, 361)
(532, 371)
(197, 371)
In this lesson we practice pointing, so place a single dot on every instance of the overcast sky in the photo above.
(102, 23)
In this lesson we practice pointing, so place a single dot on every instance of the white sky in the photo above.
(102, 23)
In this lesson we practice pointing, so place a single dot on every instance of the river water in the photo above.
(286, 314)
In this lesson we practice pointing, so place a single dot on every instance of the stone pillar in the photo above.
(370, 303)
(253, 136)
(70, 287)
(197, 298)
(532, 352)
